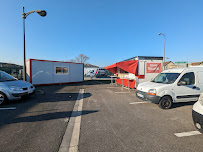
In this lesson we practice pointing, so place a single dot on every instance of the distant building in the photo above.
(196, 63)
(2, 64)
(13, 69)
(90, 65)
(168, 65)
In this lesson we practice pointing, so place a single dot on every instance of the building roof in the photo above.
(2, 64)
(195, 63)
(145, 57)
(166, 63)
(90, 65)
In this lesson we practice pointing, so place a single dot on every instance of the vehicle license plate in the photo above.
(140, 95)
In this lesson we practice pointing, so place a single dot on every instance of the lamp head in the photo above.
(42, 13)
(159, 33)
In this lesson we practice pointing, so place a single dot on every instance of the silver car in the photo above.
(12, 88)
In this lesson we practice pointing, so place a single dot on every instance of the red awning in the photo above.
(129, 66)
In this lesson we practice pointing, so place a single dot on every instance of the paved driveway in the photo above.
(125, 123)
(111, 120)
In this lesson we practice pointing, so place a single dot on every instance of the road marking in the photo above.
(76, 131)
(71, 137)
(11, 108)
(121, 92)
(190, 133)
(137, 102)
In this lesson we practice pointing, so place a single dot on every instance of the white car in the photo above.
(197, 114)
(12, 88)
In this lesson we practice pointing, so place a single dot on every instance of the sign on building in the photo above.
(153, 67)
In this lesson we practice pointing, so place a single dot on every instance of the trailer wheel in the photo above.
(165, 102)
(3, 98)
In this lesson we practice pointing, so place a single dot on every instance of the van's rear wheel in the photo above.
(165, 102)
(3, 98)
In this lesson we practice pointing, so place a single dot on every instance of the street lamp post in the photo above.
(41, 13)
(164, 44)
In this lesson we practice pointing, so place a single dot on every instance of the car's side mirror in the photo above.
(181, 83)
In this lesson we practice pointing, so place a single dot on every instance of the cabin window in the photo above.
(61, 70)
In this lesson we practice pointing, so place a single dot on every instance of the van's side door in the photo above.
(200, 80)
(187, 88)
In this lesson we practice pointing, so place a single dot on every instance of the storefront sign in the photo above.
(153, 67)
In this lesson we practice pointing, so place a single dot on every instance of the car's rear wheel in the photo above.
(3, 98)
(165, 102)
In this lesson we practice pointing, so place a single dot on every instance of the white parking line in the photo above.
(121, 92)
(71, 137)
(190, 133)
(137, 102)
(76, 130)
(11, 108)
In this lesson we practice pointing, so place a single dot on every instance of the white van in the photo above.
(172, 86)
(92, 72)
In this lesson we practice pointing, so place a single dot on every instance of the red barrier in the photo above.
(125, 82)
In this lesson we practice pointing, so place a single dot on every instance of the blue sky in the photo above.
(107, 31)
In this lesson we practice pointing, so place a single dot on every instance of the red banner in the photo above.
(153, 67)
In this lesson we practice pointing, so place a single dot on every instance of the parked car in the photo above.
(197, 114)
(172, 86)
(102, 72)
(12, 88)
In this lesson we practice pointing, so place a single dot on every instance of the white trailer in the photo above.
(43, 72)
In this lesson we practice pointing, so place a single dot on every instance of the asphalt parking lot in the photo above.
(111, 120)
(37, 123)
(125, 123)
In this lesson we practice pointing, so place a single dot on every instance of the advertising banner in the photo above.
(153, 67)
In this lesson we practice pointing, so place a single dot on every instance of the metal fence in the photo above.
(14, 71)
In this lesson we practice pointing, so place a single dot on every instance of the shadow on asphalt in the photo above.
(181, 104)
(56, 98)
(52, 94)
(49, 116)
(175, 105)
(96, 82)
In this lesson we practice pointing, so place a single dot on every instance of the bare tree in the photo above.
(82, 58)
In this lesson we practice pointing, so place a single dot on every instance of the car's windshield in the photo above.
(167, 78)
(6, 77)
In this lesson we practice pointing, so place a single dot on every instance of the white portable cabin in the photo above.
(148, 67)
(43, 72)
